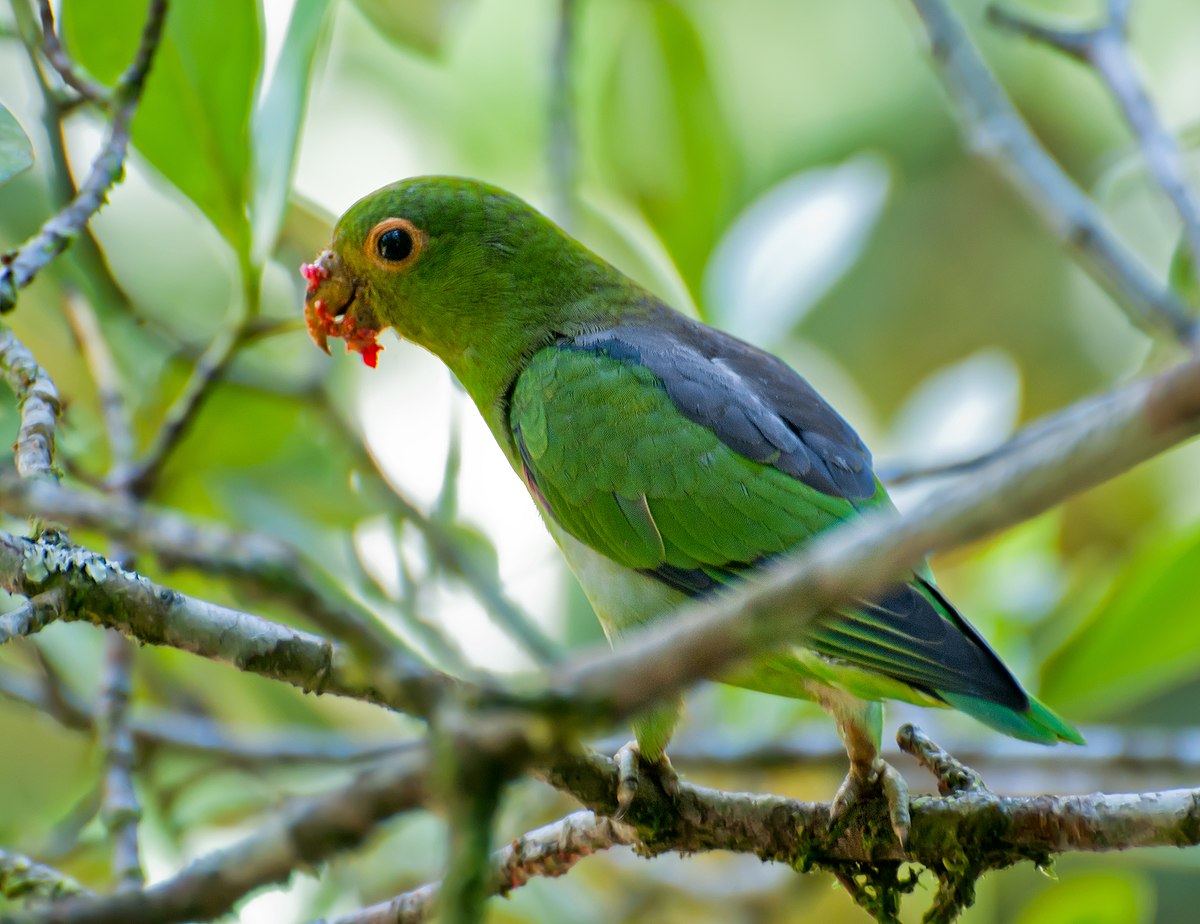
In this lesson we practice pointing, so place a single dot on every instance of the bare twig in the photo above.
(62, 63)
(449, 554)
(183, 732)
(306, 832)
(121, 810)
(562, 145)
(549, 851)
(952, 774)
(40, 407)
(30, 617)
(1106, 49)
(142, 476)
(999, 132)
(51, 239)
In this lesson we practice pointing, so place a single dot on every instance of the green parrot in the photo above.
(667, 458)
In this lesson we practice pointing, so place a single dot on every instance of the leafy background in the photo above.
(790, 171)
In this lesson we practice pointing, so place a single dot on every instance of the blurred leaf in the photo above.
(16, 153)
(1109, 897)
(1141, 640)
(1183, 273)
(477, 548)
(417, 26)
(791, 245)
(193, 121)
(278, 119)
(665, 136)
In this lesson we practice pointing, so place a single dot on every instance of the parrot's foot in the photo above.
(632, 767)
(865, 781)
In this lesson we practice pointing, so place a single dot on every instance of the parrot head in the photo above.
(466, 270)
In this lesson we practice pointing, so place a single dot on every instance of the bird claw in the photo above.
(859, 785)
(631, 766)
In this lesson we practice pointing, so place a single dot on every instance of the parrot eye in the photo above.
(395, 243)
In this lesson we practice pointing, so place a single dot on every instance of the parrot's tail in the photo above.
(1038, 723)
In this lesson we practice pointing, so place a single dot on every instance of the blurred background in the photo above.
(789, 171)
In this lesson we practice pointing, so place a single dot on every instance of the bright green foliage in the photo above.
(193, 123)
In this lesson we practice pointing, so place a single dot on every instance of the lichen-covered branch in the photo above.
(40, 407)
(999, 132)
(1106, 49)
(95, 590)
(261, 564)
(549, 851)
(993, 828)
(58, 231)
(23, 879)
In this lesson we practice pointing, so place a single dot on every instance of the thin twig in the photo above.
(549, 851)
(62, 63)
(182, 732)
(142, 476)
(1106, 49)
(999, 132)
(30, 617)
(446, 550)
(58, 231)
(562, 145)
(121, 810)
(951, 773)
(306, 832)
(40, 408)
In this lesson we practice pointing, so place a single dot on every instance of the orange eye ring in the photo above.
(395, 244)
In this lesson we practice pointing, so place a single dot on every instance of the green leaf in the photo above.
(665, 136)
(16, 153)
(1141, 640)
(1183, 273)
(277, 122)
(193, 122)
(416, 26)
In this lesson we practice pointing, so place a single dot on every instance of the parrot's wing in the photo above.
(690, 456)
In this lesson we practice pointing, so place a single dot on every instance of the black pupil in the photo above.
(395, 244)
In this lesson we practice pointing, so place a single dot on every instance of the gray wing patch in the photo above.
(755, 403)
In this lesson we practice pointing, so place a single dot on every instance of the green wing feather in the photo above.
(619, 467)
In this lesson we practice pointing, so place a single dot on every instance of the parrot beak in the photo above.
(331, 309)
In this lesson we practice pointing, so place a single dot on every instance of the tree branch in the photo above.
(999, 132)
(1106, 49)
(40, 408)
(97, 591)
(62, 63)
(261, 564)
(549, 851)
(306, 832)
(53, 237)
(23, 878)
